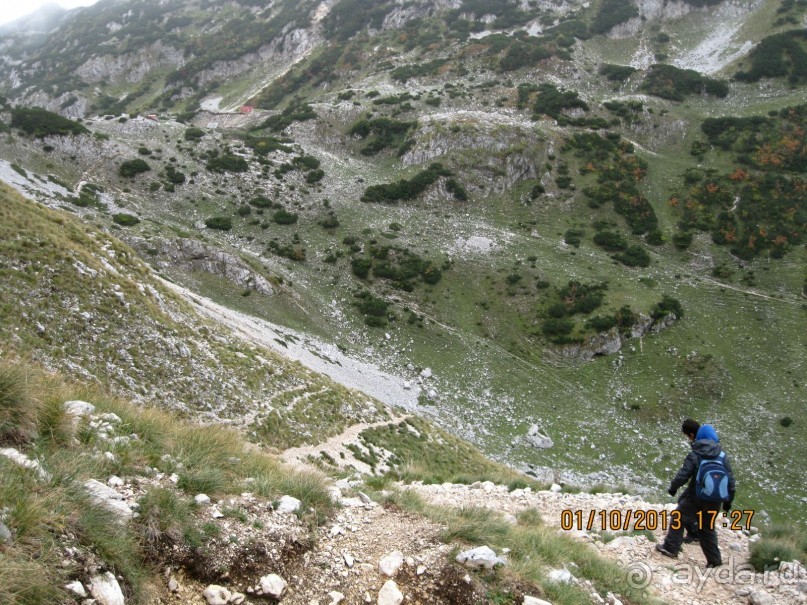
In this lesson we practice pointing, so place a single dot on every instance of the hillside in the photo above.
(586, 218)
(130, 504)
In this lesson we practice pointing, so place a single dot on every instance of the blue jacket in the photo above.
(705, 446)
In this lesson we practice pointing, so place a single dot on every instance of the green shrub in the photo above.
(670, 82)
(227, 162)
(284, 217)
(361, 267)
(552, 101)
(634, 256)
(405, 189)
(778, 56)
(610, 241)
(665, 306)
(126, 220)
(131, 168)
(194, 134)
(260, 202)
(222, 223)
(611, 13)
(42, 123)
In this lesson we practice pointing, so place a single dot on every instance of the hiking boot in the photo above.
(667, 553)
(711, 565)
(690, 539)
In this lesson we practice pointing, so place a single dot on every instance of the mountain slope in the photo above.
(486, 190)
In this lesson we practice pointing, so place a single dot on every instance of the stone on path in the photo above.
(389, 594)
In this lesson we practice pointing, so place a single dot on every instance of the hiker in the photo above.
(691, 525)
(711, 485)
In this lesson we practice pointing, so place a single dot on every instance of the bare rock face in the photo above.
(131, 67)
(196, 256)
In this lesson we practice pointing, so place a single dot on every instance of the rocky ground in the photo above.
(370, 552)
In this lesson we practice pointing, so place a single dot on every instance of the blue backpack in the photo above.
(712, 480)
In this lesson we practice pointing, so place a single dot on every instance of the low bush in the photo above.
(131, 168)
(126, 220)
(42, 123)
(221, 223)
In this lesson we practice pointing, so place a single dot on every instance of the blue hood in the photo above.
(707, 431)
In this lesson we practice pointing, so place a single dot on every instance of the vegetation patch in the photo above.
(778, 56)
(381, 133)
(611, 13)
(674, 84)
(131, 168)
(42, 123)
(405, 189)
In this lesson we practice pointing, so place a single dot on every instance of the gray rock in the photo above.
(24, 461)
(105, 590)
(288, 504)
(217, 595)
(273, 585)
(482, 556)
(560, 576)
(5, 533)
(538, 439)
(108, 498)
(237, 598)
(390, 594)
(78, 408)
(760, 597)
(201, 499)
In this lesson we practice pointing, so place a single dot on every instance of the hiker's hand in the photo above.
(726, 506)
(671, 491)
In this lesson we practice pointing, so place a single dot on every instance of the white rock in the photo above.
(78, 408)
(217, 595)
(24, 461)
(108, 498)
(426, 373)
(389, 594)
(482, 556)
(432, 394)
(237, 598)
(273, 585)
(336, 597)
(365, 498)
(555, 488)
(535, 601)
(560, 576)
(111, 418)
(288, 504)
(538, 439)
(201, 499)
(391, 563)
(173, 585)
(349, 560)
(407, 385)
(114, 481)
(105, 590)
(508, 518)
(421, 570)
(77, 588)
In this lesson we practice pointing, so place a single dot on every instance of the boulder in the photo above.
(22, 460)
(391, 563)
(538, 439)
(273, 586)
(390, 594)
(78, 408)
(77, 588)
(105, 590)
(109, 499)
(5, 533)
(482, 556)
(217, 595)
(288, 504)
(559, 576)
(201, 499)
